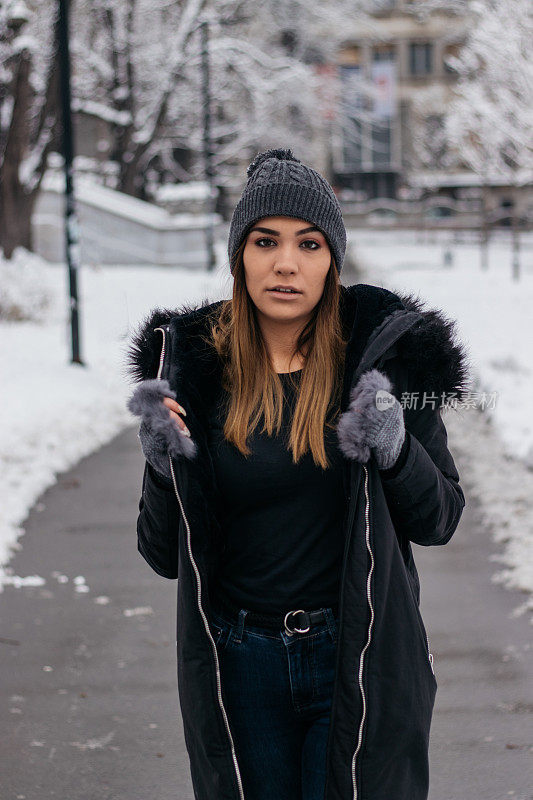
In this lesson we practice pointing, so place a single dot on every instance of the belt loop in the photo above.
(240, 626)
(332, 627)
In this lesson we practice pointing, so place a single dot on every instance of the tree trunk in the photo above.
(130, 181)
(16, 208)
(15, 221)
(17, 201)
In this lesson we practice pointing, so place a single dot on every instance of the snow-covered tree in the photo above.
(28, 113)
(490, 119)
(489, 122)
(138, 66)
(487, 116)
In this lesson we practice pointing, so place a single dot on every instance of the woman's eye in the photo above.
(307, 241)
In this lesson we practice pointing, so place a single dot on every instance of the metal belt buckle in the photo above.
(295, 630)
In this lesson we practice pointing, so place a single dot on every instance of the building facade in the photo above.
(392, 87)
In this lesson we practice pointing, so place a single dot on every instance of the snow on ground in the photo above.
(503, 488)
(53, 412)
(494, 320)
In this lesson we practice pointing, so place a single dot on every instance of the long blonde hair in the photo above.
(254, 389)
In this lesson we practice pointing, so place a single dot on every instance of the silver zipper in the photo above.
(370, 626)
(199, 595)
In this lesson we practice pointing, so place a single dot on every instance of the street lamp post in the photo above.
(208, 154)
(71, 220)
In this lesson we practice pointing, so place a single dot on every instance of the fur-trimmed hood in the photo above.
(429, 347)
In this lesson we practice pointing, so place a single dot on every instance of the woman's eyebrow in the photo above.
(277, 233)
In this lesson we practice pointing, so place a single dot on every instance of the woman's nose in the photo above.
(286, 258)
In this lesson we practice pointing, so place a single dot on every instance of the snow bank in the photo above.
(54, 412)
(26, 292)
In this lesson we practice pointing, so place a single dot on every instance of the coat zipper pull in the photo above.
(430, 655)
(164, 329)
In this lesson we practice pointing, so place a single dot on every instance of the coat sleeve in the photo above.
(422, 489)
(158, 523)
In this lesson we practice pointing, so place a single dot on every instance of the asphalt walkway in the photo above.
(89, 707)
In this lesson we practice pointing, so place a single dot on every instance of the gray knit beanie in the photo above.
(280, 185)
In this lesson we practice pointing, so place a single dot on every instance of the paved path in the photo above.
(103, 723)
(89, 707)
(481, 745)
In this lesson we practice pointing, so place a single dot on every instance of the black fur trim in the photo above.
(437, 359)
(143, 351)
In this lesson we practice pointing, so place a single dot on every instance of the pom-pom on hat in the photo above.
(280, 185)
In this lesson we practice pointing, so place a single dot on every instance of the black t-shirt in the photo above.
(282, 522)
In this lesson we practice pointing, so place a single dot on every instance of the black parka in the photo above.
(384, 688)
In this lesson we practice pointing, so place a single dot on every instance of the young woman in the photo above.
(295, 448)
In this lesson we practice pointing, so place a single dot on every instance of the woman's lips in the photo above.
(275, 293)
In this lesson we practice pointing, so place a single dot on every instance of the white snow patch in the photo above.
(18, 582)
(94, 744)
(25, 292)
(139, 611)
(102, 111)
(120, 204)
(192, 190)
(79, 583)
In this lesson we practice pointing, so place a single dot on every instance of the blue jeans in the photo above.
(277, 692)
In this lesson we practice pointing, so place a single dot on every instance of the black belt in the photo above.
(296, 621)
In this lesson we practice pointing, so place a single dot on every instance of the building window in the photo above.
(383, 52)
(421, 58)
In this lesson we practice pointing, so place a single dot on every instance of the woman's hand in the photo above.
(162, 431)
(174, 410)
(373, 422)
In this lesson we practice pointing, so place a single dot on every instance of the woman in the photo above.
(283, 486)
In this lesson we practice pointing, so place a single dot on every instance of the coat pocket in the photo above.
(429, 654)
(421, 626)
(220, 630)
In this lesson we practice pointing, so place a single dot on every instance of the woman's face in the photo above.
(283, 251)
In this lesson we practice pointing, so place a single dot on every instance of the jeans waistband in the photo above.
(309, 617)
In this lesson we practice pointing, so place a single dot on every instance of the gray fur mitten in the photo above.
(158, 433)
(373, 422)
